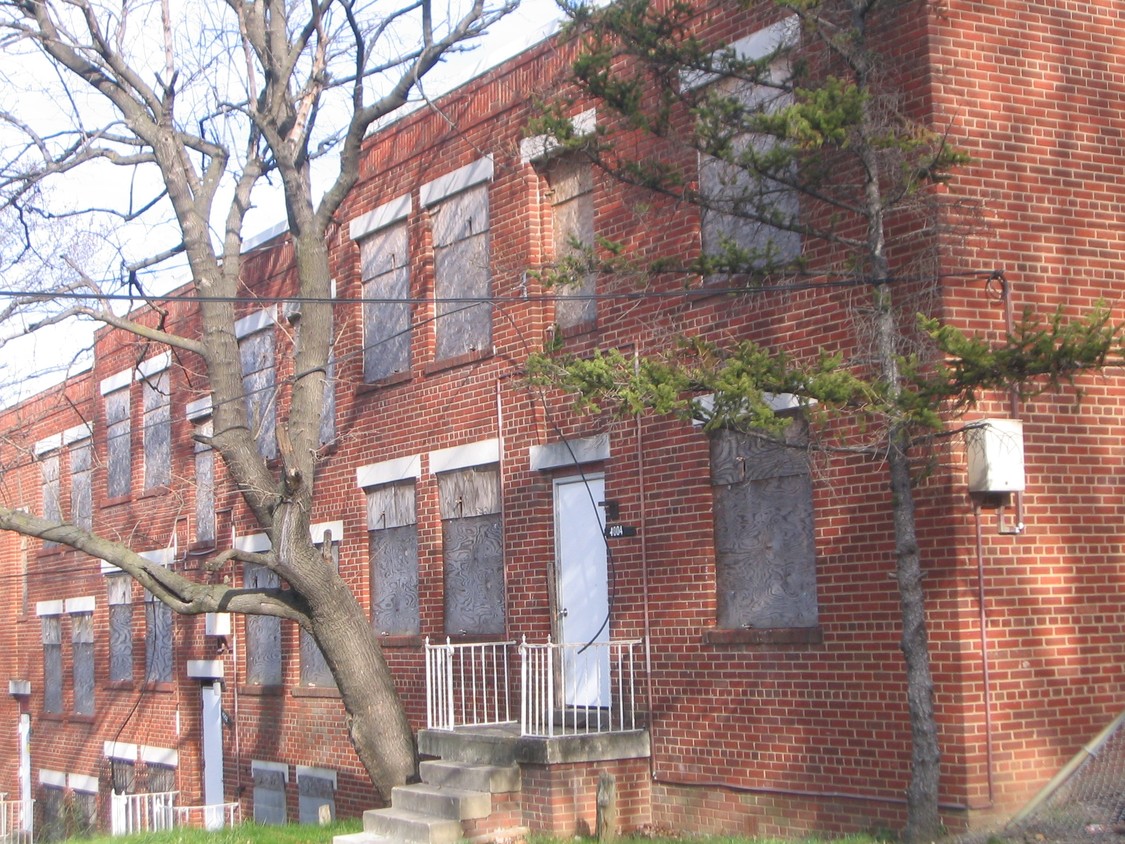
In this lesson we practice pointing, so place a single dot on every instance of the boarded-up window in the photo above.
(746, 214)
(157, 437)
(120, 588)
(463, 279)
(472, 539)
(384, 264)
(204, 486)
(49, 468)
(155, 778)
(764, 539)
(83, 818)
(316, 789)
(82, 640)
(314, 667)
(117, 443)
(263, 633)
(81, 483)
(269, 793)
(158, 640)
(572, 188)
(50, 814)
(52, 663)
(259, 382)
(393, 525)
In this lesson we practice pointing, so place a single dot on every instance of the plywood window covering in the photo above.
(52, 663)
(157, 431)
(392, 524)
(572, 197)
(158, 640)
(82, 641)
(387, 312)
(462, 274)
(472, 540)
(731, 196)
(82, 483)
(259, 383)
(263, 633)
(120, 600)
(764, 537)
(204, 485)
(314, 667)
(118, 446)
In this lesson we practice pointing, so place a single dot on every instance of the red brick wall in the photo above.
(756, 738)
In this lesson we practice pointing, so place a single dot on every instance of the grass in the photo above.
(250, 833)
(247, 833)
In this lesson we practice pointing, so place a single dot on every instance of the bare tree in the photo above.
(201, 111)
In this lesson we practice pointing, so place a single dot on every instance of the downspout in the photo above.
(500, 476)
(986, 680)
(643, 517)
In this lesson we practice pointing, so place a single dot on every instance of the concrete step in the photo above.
(492, 779)
(411, 827)
(442, 801)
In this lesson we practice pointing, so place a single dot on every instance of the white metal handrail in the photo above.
(212, 817)
(467, 684)
(588, 687)
(149, 812)
(17, 821)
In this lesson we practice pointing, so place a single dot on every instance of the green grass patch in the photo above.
(247, 833)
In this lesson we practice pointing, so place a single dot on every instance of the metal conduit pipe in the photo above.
(986, 678)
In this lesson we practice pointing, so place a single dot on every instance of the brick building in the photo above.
(463, 503)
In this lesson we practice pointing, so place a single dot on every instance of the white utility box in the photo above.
(995, 455)
(217, 624)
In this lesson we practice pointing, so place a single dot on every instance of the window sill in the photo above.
(315, 692)
(119, 686)
(159, 686)
(116, 500)
(764, 636)
(202, 548)
(82, 719)
(400, 640)
(389, 381)
(458, 360)
(261, 691)
(155, 492)
(578, 329)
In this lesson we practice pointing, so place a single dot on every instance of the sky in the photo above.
(47, 351)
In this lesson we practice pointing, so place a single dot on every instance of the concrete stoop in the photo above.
(433, 810)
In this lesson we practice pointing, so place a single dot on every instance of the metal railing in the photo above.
(467, 685)
(17, 821)
(578, 688)
(149, 812)
(563, 688)
(156, 811)
(212, 817)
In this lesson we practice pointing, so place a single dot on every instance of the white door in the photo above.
(583, 590)
(213, 755)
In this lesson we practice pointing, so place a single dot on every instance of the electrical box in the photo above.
(217, 624)
(995, 455)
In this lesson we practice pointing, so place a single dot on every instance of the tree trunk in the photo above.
(923, 822)
(377, 723)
